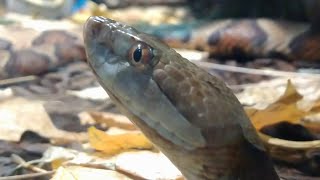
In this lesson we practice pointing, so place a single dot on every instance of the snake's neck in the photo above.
(240, 161)
(205, 164)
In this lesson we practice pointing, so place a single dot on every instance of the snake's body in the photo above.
(187, 113)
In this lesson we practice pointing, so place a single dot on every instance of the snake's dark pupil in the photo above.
(137, 54)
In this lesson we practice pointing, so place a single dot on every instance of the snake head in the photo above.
(191, 116)
(124, 61)
(119, 43)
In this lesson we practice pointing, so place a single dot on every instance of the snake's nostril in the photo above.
(93, 27)
(94, 31)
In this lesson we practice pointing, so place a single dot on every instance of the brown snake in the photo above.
(190, 115)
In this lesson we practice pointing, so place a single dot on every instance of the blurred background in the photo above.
(49, 97)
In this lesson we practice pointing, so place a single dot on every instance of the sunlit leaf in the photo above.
(113, 144)
(56, 163)
(84, 173)
(19, 115)
(147, 165)
(284, 109)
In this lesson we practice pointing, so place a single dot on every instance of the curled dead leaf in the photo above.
(303, 153)
(286, 108)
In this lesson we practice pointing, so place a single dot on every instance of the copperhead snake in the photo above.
(190, 115)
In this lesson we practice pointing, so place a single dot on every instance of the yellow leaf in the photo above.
(113, 144)
(290, 96)
(284, 109)
(56, 163)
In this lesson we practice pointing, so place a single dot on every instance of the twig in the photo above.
(10, 81)
(264, 72)
(22, 163)
(27, 176)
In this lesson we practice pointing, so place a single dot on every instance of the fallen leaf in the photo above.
(293, 152)
(85, 173)
(18, 115)
(58, 156)
(147, 165)
(135, 164)
(92, 93)
(113, 144)
(260, 95)
(56, 163)
(284, 109)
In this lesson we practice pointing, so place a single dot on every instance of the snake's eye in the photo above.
(141, 53)
(137, 54)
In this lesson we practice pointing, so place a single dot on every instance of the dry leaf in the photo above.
(85, 173)
(138, 164)
(56, 163)
(262, 94)
(113, 144)
(293, 152)
(284, 109)
(91, 93)
(58, 156)
(18, 115)
(147, 165)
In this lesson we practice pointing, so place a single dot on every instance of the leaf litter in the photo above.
(122, 152)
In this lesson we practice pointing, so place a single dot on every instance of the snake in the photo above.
(190, 115)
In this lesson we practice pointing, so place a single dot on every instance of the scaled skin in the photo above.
(190, 115)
